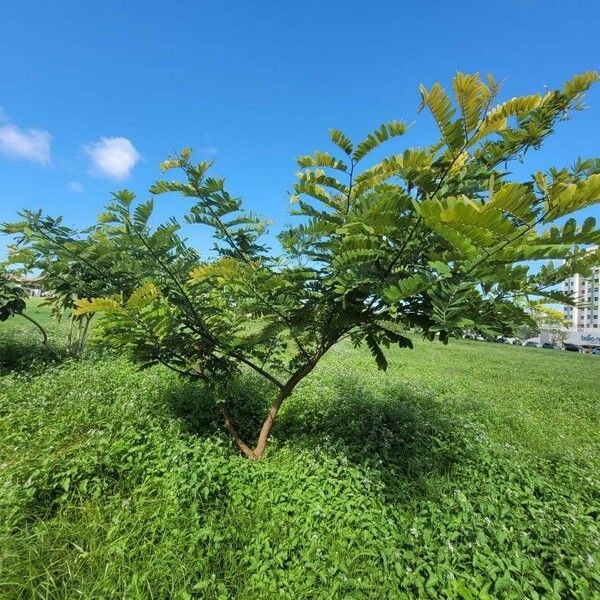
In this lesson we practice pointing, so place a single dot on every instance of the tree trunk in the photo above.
(237, 440)
(284, 391)
(70, 338)
(263, 436)
(43, 332)
(83, 335)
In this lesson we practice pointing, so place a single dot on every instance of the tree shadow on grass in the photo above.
(22, 351)
(200, 414)
(400, 431)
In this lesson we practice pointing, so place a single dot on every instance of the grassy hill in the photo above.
(466, 471)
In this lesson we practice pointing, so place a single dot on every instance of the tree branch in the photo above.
(259, 370)
(237, 440)
(43, 332)
(204, 331)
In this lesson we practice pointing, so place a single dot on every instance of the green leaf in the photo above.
(472, 96)
(377, 137)
(142, 296)
(405, 288)
(341, 141)
(442, 110)
(563, 200)
(377, 352)
(322, 159)
(105, 305)
(515, 199)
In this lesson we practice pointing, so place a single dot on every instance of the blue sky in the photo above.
(95, 95)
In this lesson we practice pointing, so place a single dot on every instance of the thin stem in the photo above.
(350, 185)
(407, 240)
(269, 305)
(84, 333)
(43, 332)
(262, 299)
(284, 391)
(204, 331)
(180, 371)
(62, 245)
(293, 381)
(259, 370)
(503, 245)
(268, 423)
(70, 338)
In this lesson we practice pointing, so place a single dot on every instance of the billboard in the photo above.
(585, 337)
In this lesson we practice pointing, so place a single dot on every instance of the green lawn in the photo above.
(35, 309)
(21, 342)
(467, 471)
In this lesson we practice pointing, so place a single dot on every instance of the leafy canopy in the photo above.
(436, 238)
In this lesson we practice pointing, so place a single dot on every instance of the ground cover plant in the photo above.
(120, 483)
(431, 239)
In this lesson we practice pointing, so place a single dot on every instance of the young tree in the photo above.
(432, 238)
(551, 321)
(71, 265)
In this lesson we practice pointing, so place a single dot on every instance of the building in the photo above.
(32, 286)
(586, 292)
(583, 320)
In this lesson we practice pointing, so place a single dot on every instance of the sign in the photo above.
(584, 338)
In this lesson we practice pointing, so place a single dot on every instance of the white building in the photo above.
(586, 293)
(583, 319)
(32, 286)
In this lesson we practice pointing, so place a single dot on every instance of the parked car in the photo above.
(531, 344)
(474, 336)
(548, 346)
(572, 348)
(596, 351)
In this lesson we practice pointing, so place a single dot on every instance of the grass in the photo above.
(21, 342)
(466, 471)
(41, 313)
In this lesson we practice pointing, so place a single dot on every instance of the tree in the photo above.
(552, 321)
(527, 331)
(12, 303)
(71, 265)
(433, 239)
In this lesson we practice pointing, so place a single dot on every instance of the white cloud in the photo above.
(29, 144)
(210, 150)
(75, 187)
(112, 157)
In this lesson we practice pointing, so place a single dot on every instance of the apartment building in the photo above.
(586, 290)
